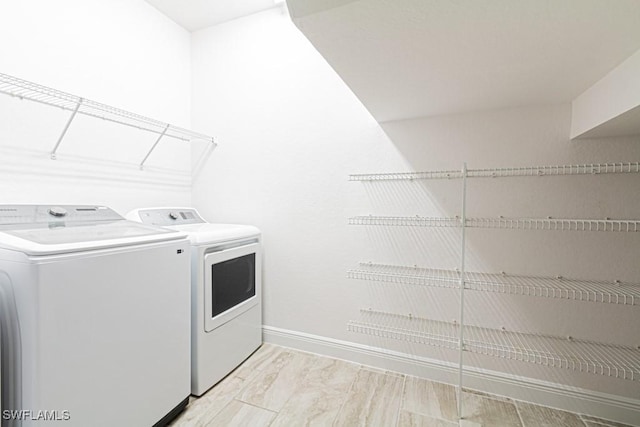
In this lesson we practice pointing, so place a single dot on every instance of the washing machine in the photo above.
(94, 316)
(226, 291)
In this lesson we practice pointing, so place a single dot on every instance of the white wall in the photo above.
(292, 132)
(123, 53)
(609, 99)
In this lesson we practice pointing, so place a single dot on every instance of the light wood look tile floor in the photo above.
(281, 387)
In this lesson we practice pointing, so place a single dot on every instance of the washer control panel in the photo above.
(170, 216)
(36, 214)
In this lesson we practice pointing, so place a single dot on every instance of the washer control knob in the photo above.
(173, 215)
(57, 211)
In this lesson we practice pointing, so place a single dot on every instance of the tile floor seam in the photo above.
(346, 395)
(284, 404)
(214, 414)
(234, 396)
(515, 404)
(254, 405)
(404, 383)
(420, 412)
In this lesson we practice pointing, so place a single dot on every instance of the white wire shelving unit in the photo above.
(617, 361)
(607, 292)
(610, 360)
(26, 90)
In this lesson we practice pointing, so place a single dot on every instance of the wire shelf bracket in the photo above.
(153, 147)
(66, 128)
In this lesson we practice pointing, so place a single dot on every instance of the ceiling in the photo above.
(413, 58)
(194, 15)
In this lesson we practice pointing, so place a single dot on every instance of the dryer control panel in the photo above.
(170, 216)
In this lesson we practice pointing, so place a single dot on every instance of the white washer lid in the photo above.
(45, 230)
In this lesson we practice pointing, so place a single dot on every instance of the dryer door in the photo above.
(232, 283)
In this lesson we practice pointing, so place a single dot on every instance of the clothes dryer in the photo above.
(94, 317)
(226, 291)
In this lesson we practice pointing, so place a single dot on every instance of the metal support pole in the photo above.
(463, 221)
(66, 128)
(204, 155)
(154, 146)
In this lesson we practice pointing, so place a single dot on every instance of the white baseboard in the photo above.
(573, 399)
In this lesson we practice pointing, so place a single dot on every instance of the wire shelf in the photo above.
(555, 224)
(404, 176)
(432, 339)
(406, 328)
(405, 275)
(584, 169)
(24, 89)
(404, 221)
(553, 170)
(551, 224)
(610, 360)
(613, 292)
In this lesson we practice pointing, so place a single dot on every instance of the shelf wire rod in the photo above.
(632, 358)
(463, 221)
(546, 351)
(521, 351)
(66, 128)
(595, 355)
(153, 147)
(613, 369)
(625, 359)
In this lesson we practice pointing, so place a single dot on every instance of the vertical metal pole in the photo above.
(463, 221)
(66, 128)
